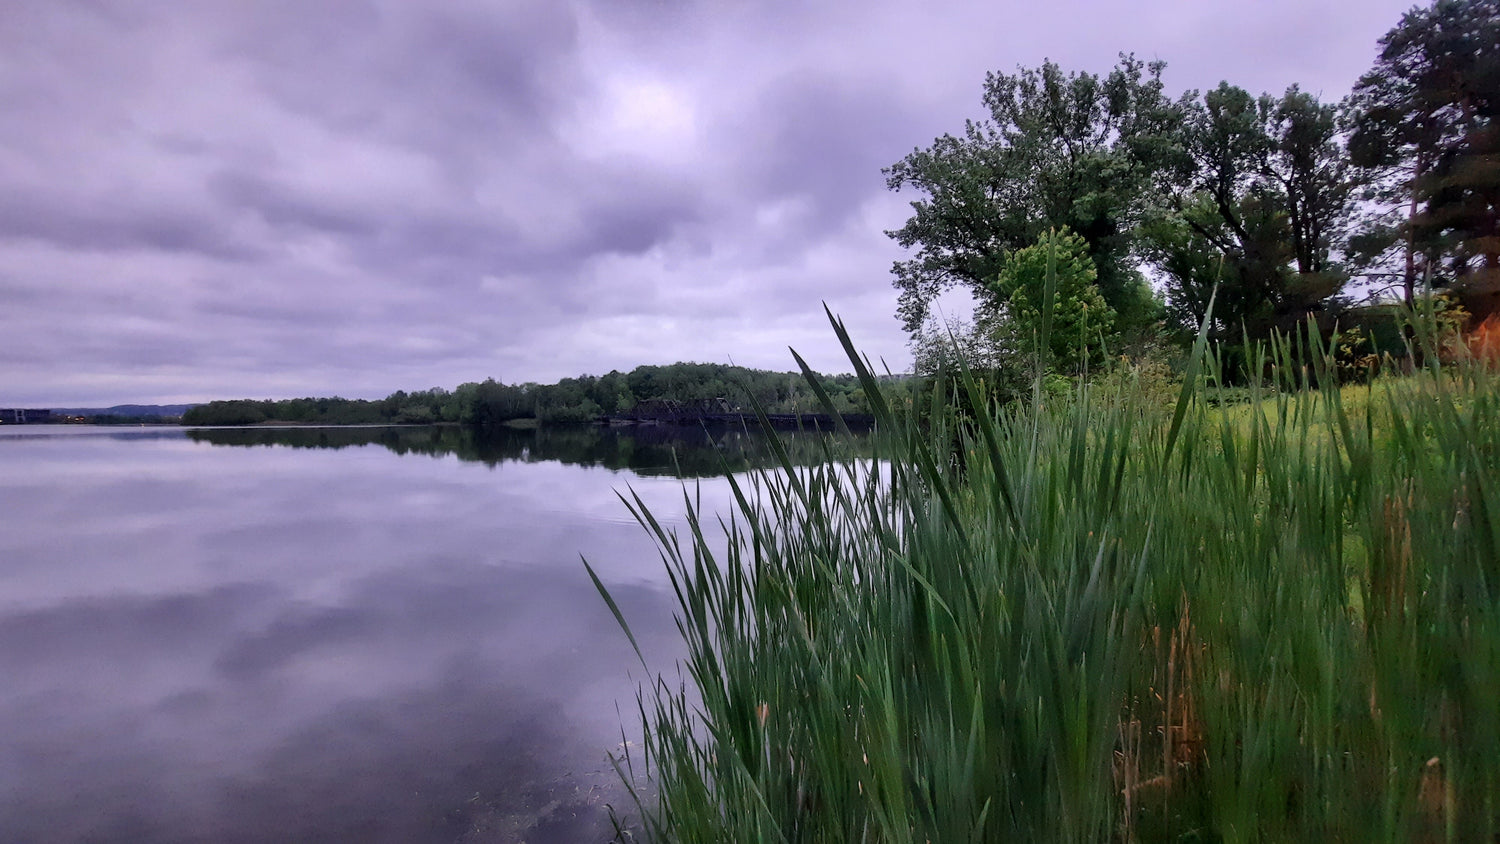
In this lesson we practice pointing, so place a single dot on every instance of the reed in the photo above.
(1093, 618)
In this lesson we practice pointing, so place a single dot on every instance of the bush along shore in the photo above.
(1098, 616)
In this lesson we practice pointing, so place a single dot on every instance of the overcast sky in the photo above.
(276, 198)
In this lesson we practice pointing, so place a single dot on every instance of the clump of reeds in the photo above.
(1095, 618)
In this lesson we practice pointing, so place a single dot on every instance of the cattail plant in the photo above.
(1093, 617)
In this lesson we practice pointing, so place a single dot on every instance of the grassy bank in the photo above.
(1098, 618)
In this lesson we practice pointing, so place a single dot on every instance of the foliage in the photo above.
(1276, 201)
(243, 412)
(1099, 619)
(939, 346)
(1310, 168)
(489, 404)
(1148, 378)
(1191, 264)
(1353, 358)
(1422, 124)
(1081, 321)
(1258, 216)
(1058, 150)
(120, 419)
(1437, 321)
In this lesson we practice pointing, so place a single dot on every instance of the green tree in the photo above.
(1423, 126)
(460, 404)
(1058, 150)
(418, 414)
(1260, 214)
(1189, 261)
(940, 346)
(1081, 319)
(1310, 168)
(494, 403)
(236, 412)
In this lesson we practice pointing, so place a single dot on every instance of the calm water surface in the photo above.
(326, 634)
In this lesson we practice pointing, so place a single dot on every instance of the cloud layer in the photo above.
(222, 199)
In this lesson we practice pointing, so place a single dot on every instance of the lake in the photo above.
(331, 634)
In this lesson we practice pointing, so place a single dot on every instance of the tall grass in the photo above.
(1095, 618)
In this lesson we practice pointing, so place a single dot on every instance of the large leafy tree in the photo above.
(1058, 150)
(1189, 258)
(1423, 126)
(1260, 212)
(1307, 162)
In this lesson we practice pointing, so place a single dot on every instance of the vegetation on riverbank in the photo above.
(486, 404)
(1096, 616)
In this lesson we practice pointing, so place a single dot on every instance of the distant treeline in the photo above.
(716, 387)
(122, 419)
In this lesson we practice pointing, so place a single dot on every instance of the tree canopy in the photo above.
(1278, 201)
(1059, 150)
(1423, 128)
(1259, 213)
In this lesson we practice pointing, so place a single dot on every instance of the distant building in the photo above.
(24, 416)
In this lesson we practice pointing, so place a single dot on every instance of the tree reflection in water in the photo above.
(681, 451)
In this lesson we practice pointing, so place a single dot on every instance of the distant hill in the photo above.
(126, 410)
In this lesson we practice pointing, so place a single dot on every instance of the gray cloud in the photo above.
(222, 199)
(118, 224)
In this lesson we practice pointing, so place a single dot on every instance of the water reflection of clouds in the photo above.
(293, 644)
(315, 718)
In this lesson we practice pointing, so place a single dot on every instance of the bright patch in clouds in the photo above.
(650, 114)
(221, 199)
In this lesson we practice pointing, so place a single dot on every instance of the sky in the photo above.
(279, 198)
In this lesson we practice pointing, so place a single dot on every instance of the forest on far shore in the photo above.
(703, 386)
